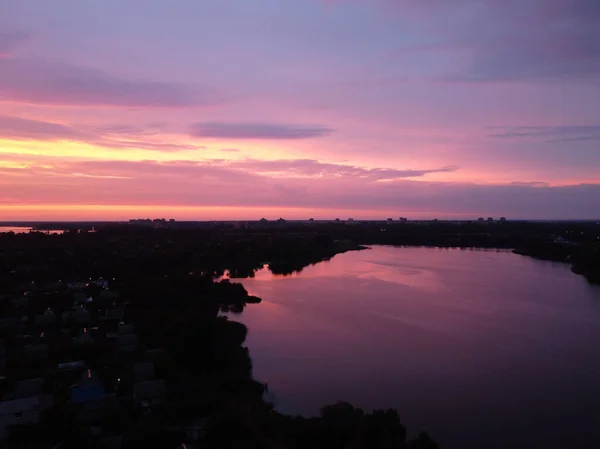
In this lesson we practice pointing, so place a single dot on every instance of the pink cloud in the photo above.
(505, 41)
(120, 136)
(223, 184)
(54, 83)
(19, 128)
(312, 168)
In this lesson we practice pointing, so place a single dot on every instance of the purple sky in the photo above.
(358, 108)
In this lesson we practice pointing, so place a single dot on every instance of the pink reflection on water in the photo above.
(454, 339)
(411, 274)
(25, 230)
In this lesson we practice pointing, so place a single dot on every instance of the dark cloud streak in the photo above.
(267, 131)
(550, 134)
(61, 84)
(509, 40)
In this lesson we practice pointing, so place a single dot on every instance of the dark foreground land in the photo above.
(114, 338)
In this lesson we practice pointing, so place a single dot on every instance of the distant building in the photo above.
(79, 285)
(102, 283)
(79, 315)
(403, 219)
(20, 301)
(26, 389)
(113, 314)
(90, 399)
(311, 220)
(84, 338)
(154, 355)
(45, 319)
(88, 390)
(150, 394)
(23, 411)
(481, 219)
(490, 219)
(10, 325)
(127, 343)
(109, 295)
(125, 329)
(389, 220)
(502, 219)
(71, 366)
(143, 372)
(36, 352)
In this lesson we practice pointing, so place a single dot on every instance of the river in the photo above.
(479, 348)
(25, 230)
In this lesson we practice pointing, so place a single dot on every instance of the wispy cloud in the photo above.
(121, 136)
(310, 168)
(55, 83)
(527, 40)
(218, 183)
(549, 134)
(19, 128)
(530, 184)
(509, 40)
(264, 131)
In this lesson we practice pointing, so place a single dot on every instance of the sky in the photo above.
(237, 109)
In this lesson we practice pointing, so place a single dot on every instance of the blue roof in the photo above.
(87, 393)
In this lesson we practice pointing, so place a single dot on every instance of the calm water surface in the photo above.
(480, 348)
(25, 230)
(15, 229)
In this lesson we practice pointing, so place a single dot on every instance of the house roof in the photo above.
(154, 355)
(143, 371)
(154, 389)
(19, 405)
(45, 319)
(37, 348)
(27, 388)
(72, 365)
(114, 314)
(9, 321)
(125, 329)
(79, 297)
(85, 393)
(127, 340)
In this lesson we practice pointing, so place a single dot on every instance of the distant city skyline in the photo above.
(359, 109)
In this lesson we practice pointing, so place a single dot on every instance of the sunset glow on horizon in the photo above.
(296, 109)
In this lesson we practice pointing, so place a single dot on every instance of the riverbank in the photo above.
(138, 313)
(479, 330)
(583, 261)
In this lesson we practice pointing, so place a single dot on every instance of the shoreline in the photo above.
(591, 276)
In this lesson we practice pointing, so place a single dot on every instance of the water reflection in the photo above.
(474, 346)
(25, 230)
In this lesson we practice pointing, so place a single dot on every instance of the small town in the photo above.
(71, 358)
(124, 335)
(126, 338)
